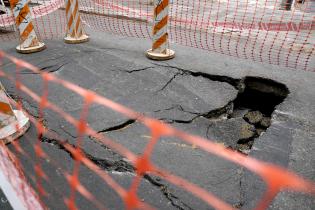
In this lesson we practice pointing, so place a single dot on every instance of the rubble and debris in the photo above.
(265, 122)
(247, 131)
(253, 117)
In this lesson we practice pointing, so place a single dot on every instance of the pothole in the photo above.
(255, 103)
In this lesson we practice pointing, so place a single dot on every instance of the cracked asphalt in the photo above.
(194, 92)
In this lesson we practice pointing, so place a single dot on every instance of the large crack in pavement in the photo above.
(257, 117)
(108, 165)
(246, 106)
(118, 127)
(236, 83)
(256, 100)
(121, 166)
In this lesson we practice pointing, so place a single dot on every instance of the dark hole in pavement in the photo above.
(257, 101)
(261, 94)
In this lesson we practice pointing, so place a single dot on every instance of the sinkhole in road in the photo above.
(256, 101)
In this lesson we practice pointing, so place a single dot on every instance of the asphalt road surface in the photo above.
(198, 92)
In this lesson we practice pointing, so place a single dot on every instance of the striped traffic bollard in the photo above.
(160, 49)
(13, 123)
(29, 42)
(75, 33)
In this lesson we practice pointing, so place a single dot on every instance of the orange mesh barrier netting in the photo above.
(276, 178)
(276, 32)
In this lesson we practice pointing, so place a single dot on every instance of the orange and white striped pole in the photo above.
(29, 42)
(13, 123)
(75, 33)
(160, 44)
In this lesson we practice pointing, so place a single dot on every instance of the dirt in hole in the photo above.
(256, 103)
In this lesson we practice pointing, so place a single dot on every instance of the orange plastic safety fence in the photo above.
(275, 177)
(273, 31)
